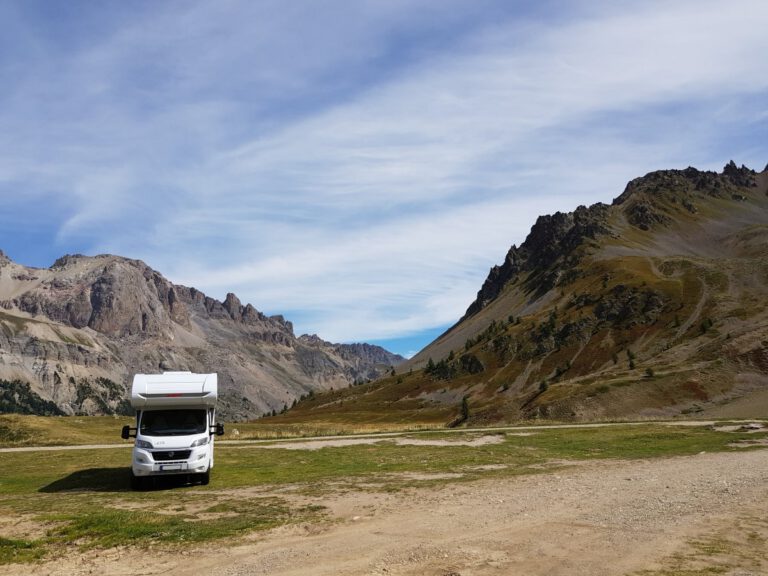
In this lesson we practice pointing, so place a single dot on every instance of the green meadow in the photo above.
(54, 500)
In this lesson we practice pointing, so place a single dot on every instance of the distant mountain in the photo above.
(655, 305)
(75, 333)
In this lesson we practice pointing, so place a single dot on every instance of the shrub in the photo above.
(17, 396)
(465, 408)
(471, 363)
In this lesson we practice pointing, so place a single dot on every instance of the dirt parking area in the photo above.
(662, 516)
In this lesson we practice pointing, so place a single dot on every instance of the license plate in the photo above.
(166, 467)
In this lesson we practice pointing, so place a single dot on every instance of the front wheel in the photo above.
(137, 483)
(205, 478)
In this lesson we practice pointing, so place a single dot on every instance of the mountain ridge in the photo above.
(77, 330)
(651, 306)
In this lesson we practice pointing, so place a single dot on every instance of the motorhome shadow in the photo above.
(113, 480)
(175, 428)
(91, 480)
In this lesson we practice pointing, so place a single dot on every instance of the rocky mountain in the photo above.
(73, 335)
(654, 305)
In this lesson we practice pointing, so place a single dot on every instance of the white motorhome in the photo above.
(175, 426)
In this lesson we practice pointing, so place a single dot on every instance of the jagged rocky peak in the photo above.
(4, 259)
(744, 177)
(357, 351)
(655, 199)
(233, 306)
(680, 183)
(129, 298)
(112, 295)
(122, 297)
(248, 314)
(368, 352)
(279, 319)
(312, 340)
(66, 261)
(552, 238)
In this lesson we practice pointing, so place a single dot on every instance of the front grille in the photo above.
(165, 455)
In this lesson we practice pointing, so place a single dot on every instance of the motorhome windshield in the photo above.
(172, 422)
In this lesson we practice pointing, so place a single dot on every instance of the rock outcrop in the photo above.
(552, 242)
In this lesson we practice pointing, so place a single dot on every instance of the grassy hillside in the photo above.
(652, 307)
(26, 430)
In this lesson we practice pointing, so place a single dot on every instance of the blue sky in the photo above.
(357, 166)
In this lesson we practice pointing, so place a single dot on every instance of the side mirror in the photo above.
(125, 433)
(219, 429)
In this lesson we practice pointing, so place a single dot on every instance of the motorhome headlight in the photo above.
(144, 444)
(200, 442)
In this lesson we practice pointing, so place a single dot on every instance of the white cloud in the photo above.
(316, 174)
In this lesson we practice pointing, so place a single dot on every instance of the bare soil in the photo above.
(317, 444)
(598, 518)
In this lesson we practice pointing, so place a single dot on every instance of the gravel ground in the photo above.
(599, 518)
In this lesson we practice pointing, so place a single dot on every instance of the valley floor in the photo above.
(705, 513)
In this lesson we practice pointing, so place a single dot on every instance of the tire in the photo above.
(137, 483)
(205, 478)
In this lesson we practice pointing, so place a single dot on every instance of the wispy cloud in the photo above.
(360, 167)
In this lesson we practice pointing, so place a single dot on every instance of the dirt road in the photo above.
(366, 438)
(598, 518)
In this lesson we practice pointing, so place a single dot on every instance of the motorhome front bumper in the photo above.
(158, 462)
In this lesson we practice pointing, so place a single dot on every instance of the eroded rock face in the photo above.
(644, 216)
(654, 199)
(551, 241)
(743, 176)
(626, 307)
(122, 298)
(86, 322)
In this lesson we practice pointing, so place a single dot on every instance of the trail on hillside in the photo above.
(597, 518)
(696, 314)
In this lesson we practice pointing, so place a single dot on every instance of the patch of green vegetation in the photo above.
(76, 338)
(17, 551)
(105, 527)
(87, 503)
(25, 430)
(63, 337)
(623, 383)
(739, 549)
(12, 435)
(105, 393)
(17, 397)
